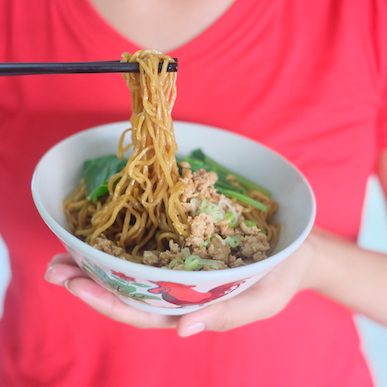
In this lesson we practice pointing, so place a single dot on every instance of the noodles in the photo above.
(147, 189)
(145, 215)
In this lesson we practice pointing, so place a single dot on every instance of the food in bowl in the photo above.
(186, 214)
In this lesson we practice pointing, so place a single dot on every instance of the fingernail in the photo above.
(84, 296)
(67, 286)
(49, 275)
(193, 329)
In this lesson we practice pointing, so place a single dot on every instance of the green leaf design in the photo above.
(140, 285)
(126, 289)
(118, 284)
(141, 296)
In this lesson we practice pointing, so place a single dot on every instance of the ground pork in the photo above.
(165, 257)
(220, 265)
(249, 230)
(189, 189)
(233, 261)
(254, 246)
(202, 227)
(108, 246)
(191, 207)
(219, 250)
(201, 251)
(151, 258)
(200, 185)
(225, 229)
(159, 259)
(204, 180)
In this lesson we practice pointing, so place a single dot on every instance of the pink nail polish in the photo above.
(193, 329)
(66, 285)
(48, 275)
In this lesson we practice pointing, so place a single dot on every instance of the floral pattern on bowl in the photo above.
(171, 294)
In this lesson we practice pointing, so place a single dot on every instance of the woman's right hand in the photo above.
(63, 271)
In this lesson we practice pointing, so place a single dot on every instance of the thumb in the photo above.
(257, 303)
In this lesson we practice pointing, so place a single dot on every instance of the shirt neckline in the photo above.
(99, 31)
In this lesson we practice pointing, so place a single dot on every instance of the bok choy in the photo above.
(199, 160)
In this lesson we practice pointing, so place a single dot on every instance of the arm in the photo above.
(353, 276)
(350, 275)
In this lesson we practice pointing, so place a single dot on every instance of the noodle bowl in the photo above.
(193, 216)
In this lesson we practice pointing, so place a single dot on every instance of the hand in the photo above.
(263, 300)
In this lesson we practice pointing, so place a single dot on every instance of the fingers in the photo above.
(263, 300)
(109, 305)
(62, 268)
(254, 304)
(62, 258)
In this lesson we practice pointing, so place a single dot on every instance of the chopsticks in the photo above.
(115, 66)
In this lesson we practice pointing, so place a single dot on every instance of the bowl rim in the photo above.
(151, 272)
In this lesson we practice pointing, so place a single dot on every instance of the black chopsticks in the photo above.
(115, 66)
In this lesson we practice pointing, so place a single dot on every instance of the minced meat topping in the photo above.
(220, 236)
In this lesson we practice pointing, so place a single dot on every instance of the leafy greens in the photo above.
(97, 172)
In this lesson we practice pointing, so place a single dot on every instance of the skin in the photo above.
(185, 19)
(325, 263)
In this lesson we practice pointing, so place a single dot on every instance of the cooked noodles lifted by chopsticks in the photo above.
(198, 216)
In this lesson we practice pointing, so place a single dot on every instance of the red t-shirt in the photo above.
(306, 78)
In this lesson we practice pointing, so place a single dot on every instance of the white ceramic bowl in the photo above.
(162, 290)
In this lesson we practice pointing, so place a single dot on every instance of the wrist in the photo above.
(316, 253)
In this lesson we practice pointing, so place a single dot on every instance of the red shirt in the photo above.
(305, 78)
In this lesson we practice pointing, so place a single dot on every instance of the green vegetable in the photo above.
(198, 154)
(249, 223)
(97, 172)
(231, 219)
(213, 210)
(198, 160)
(233, 241)
(195, 164)
(222, 184)
(195, 263)
(176, 263)
(222, 178)
(244, 199)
